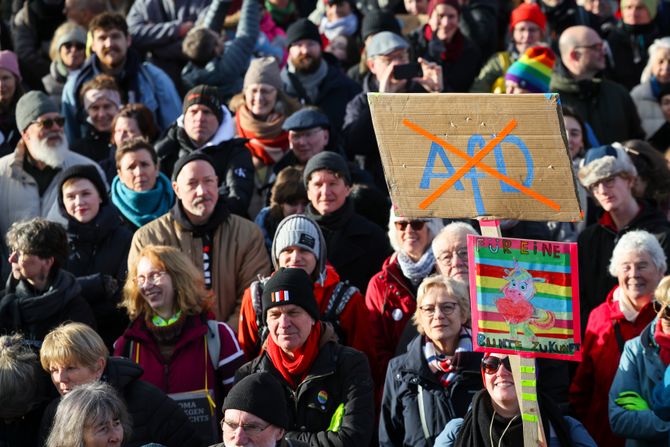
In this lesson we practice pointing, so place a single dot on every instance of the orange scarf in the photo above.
(295, 369)
(267, 141)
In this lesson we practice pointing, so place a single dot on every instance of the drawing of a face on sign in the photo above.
(515, 305)
(524, 297)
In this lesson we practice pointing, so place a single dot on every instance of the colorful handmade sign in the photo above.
(525, 297)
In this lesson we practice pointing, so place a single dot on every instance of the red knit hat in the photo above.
(530, 12)
(453, 3)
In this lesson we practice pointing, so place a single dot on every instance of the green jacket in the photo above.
(495, 67)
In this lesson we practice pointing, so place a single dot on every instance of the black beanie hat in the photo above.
(290, 286)
(302, 29)
(261, 395)
(88, 172)
(379, 20)
(186, 159)
(207, 96)
(331, 161)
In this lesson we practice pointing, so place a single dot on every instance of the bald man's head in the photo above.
(582, 51)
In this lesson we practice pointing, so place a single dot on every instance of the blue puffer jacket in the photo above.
(410, 384)
(640, 369)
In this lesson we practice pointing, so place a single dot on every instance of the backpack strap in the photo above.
(213, 342)
(256, 289)
(299, 89)
(422, 412)
(338, 300)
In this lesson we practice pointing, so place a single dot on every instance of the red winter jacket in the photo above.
(354, 319)
(391, 300)
(601, 353)
(190, 360)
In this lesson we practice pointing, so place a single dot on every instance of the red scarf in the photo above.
(295, 369)
(270, 142)
(663, 341)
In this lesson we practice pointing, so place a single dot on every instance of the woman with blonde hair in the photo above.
(173, 335)
(639, 399)
(439, 361)
(74, 355)
(90, 416)
(68, 54)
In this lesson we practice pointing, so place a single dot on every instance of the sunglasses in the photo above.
(49, 122)
(658, 307)
(491, 365)
(416, 225)
(75, 45)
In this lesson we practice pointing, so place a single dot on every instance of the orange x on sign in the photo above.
(476, 162)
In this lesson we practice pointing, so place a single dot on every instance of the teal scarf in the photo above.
(143, 207)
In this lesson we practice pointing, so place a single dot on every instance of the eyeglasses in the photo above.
(416, 225)
(48, 123)
(598, 46)
(607, 183)
(76, 45)
(249, 429)
(445, 308)
(152, 278)
(491, 364)
(448, 256)
(664, 308)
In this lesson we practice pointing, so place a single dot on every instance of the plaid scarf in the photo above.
(440, 364)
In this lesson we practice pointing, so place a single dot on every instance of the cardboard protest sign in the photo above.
(524, 297)
(476, 155)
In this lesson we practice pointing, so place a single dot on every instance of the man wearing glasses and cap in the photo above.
(254, 414)
(29, 175)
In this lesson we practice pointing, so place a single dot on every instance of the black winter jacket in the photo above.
(231, 157)
(94, 144)
(400, 422)
(605, 105)
(335, 91)
(629, 45)
(595, 246)
(339, 376)
(355, 246)
(154, 416)
(98, 258)
(359, 133)
(458, 74)
(34, 315)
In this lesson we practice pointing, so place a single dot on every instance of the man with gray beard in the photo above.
(29, 176)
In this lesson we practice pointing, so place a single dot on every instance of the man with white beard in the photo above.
(29, 176)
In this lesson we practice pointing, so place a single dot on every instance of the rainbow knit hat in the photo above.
(533, 69)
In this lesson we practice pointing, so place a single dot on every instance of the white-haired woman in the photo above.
(91, 415)
(434, 381)
(639, 398)
(391, 293)
(655, 76)
(638, 262)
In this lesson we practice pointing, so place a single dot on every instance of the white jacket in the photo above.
(19, 195)
(648, 108)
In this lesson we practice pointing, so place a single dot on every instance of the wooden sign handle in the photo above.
(524, 373)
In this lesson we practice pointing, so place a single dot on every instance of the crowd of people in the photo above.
(199, 246)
